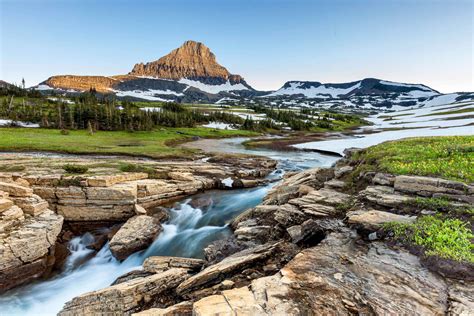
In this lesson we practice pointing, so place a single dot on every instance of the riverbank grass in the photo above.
(449, 157)
(155, 144)
(448, 238)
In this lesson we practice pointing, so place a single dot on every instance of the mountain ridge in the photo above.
(191, 74)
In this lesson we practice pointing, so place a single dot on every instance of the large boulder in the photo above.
(136, 234)
(26, 246)
(373, 219)
(255, 257)
(127, 297)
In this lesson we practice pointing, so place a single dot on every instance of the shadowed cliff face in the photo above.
(192, 60)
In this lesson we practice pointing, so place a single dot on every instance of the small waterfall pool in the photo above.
(194, 223)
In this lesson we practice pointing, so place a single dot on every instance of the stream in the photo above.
(188, 231)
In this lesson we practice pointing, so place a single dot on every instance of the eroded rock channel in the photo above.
(311, 244)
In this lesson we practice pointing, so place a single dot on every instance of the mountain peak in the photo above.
(192, 60)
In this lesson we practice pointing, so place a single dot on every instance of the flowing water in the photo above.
(194, 223)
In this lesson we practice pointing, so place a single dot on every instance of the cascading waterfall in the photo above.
(186, 234)
(189, 230)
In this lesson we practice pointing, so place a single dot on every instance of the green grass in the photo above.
(444, 237)
(449, 157)
(129, 167)
(468, 110)
(155, 144)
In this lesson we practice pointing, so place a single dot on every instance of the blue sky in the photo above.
(268, 42)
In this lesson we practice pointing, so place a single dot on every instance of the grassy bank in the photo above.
(449, 157)
(157, 143)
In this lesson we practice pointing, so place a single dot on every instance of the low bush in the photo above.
(78, 169)
(444, 237)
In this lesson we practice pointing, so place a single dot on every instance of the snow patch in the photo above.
(218, 125)
(407, 85)
(18, 123)
(43, 87)
(313, 92)
(227, 182)
(214, 89)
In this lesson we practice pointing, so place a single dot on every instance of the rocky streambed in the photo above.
(312, 244)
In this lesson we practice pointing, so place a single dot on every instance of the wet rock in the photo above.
(136, 234)
(160, 213)
(220, 249)
(128, 297)
(235, 264)
(201, 203)
(135, 274)
(157, 264)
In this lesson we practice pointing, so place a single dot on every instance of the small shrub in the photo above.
(152, 173)
(14, 168)
(64, 132)
(435, 204)
(75, 182)
(444, 237)
(75, 169)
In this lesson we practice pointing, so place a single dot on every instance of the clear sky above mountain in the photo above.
(268, 42)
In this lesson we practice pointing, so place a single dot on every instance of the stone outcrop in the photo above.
(136, 234)
(128, 297)
(28, 233)
(192, 60)
(114, 197)
(183, 308)
(338, 277)
(235, 264)
(159, 264)
(373, 219)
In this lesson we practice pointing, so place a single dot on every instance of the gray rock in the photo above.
(342, 171)
(136, 234)
(427, 186)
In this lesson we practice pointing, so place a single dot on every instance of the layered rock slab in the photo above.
(136, 234)
(128, 297)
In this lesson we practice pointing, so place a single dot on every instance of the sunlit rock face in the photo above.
(193, 60)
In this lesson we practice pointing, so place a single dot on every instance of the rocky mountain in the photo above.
(193, 61)
(189, 73)
(366, 94)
